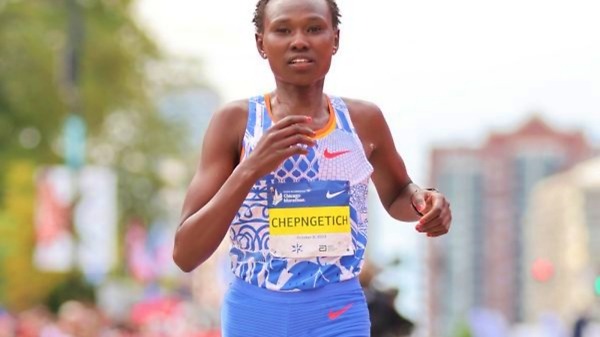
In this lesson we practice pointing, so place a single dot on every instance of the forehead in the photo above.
(296, 9)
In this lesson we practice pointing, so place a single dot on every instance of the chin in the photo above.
(301, 81)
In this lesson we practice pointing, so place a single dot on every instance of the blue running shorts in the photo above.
(335, 310)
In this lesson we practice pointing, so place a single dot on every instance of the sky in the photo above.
(443, 73)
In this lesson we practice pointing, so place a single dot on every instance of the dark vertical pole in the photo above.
(73, 54)
(74, 132)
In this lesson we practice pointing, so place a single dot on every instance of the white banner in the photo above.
(84, 203)
(54, 240)
(95, 218)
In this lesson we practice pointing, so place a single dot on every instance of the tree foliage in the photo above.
(114, 94)
(21, 285)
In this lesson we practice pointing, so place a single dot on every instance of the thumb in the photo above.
(418, 201)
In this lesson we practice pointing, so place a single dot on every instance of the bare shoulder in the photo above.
(361, 110)
(228, 124)
(369, 122)
(233, 111)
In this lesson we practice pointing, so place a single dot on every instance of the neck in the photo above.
(294, 100)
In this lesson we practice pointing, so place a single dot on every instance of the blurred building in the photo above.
(481, 262)
(455, 263)
(563, 251)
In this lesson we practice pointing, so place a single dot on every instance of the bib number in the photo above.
(310, 219)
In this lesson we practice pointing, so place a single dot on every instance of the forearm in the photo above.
(402, 208)
(200, 234)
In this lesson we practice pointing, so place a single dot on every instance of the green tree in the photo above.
(114, 87)
(115, 96)
(21, 283)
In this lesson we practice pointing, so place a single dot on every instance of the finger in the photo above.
(437, 233)
(293, 150)
(442, 224)
(431, 215)
(444, 219)
(297, 139)
(293, 129)
(430, 226)
(291, 120)
(436, 204)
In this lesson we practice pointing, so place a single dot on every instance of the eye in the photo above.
(282, 30)
(314, 29)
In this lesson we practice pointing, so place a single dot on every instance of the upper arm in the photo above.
(389, 172)
(220, 153)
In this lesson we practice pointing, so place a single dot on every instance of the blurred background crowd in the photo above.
(100, 126)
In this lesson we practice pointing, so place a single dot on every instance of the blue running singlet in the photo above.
(304, 225)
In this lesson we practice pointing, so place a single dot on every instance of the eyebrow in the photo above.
(289, 19)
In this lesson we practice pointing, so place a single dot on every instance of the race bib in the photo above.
(310, 219)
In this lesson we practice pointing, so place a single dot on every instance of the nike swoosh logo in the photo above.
(331, 155)
(337, 313)
(330, 195)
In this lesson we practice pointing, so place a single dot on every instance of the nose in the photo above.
(299, 42)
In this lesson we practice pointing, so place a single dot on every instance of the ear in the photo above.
(259, 45)
(336, 41)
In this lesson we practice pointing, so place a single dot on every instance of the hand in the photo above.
(289, 136)
(435, 209)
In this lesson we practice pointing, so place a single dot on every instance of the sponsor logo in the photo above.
(330, 155)
(330, 195)
(277, 198)
(335, 314)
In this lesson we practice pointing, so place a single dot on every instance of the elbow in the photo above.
(181, 259)
(182, 262)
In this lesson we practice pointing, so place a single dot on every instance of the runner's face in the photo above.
(299, 40)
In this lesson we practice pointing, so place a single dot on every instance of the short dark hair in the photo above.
(259, 14)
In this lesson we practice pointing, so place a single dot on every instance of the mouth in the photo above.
(300, 60)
